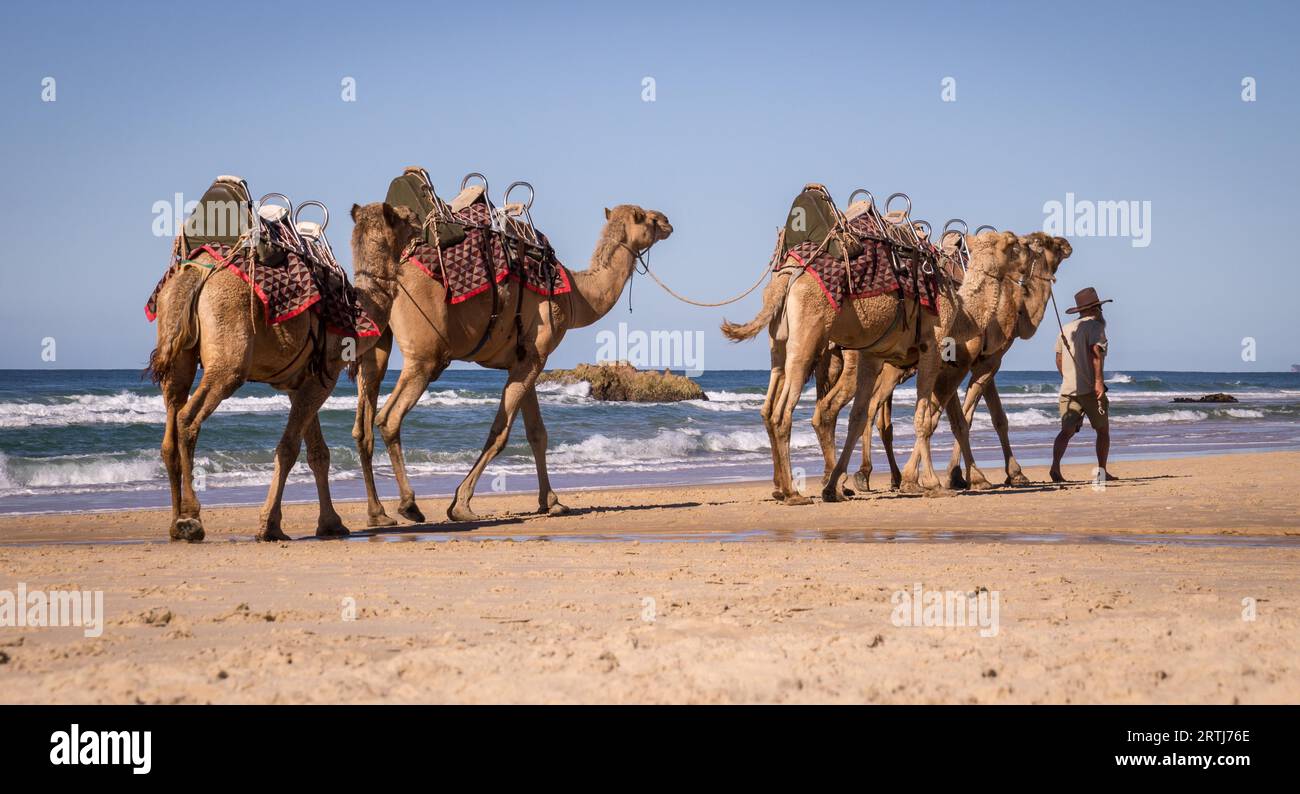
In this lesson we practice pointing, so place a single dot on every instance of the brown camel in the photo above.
(212, 318)
(432, 333)
(871, 325)
(1046, 255)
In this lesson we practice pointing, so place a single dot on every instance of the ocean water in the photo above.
(88, 439)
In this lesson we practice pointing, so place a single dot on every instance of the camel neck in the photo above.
(599, 287)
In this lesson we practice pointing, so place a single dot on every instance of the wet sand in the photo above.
(1142, 592)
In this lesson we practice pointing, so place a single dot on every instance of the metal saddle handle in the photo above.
(928, 229)
(464, 182)
(532, 194)
(525, 230)
(907, 213)
(262, 202)
(979, 229)
(325, 221)
(285, 219)
(947, 227)
(871, 198)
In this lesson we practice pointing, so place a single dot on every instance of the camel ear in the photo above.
(1064, 247)
(638, 215)
(355, 207)
(607, 213)
(390, 215)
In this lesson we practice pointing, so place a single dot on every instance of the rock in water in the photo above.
(1218, 397)
(623, 382)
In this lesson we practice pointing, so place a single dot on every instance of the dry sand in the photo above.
(1131, 594)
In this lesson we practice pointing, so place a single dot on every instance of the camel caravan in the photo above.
(940, 311)
(254, 293)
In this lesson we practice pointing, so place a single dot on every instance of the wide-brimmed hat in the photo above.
(1086, 298)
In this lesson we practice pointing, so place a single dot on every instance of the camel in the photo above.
(1046, 255)
(871, 325)
(211, 317)
(432, 333)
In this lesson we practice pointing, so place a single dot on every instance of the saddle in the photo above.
(861, 252)
(287, 261)
(471, 246)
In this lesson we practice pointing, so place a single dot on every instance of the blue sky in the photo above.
(1108, 101)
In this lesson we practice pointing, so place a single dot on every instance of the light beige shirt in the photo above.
(1082, 334)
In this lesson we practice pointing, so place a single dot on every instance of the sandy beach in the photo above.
(1179, 584)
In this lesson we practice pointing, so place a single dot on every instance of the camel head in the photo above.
(380, 234)
(638, 228)
(990, 293)
(999, 255)
(1046, 255)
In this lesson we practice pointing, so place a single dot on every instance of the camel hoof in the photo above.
(956, 481)
(833, 495)
(381, 520)
(797, 499)
(411, 513)
(1017, 479)
(981, 484)
(337, 530)
(910, 486)
(555, 509)
(938, 492)
(862, 481)
(189, 530)
(458, 513)
(271, 534)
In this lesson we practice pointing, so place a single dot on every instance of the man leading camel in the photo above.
(1080, 356)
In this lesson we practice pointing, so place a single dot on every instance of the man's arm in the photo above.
(1097, 353)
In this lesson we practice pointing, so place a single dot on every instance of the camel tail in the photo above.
(773, 299)
(178, 323)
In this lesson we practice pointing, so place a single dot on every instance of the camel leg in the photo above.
(961, 435)
(775, 386)
(802, 349)
(216, 385)
(881, 413)
(834, 396)
(370, 374)
(918, 473)
(973, 394)
(304, 403)
(994, 402)
(535, 428)
(521, 379)
(859, 419)
(410, 388)
(329, 524)
(176, 391)
(886, 427)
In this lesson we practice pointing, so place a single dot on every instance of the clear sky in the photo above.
(1107, 101)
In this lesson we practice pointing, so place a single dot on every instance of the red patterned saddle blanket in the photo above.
(286, 289)
(880, 268)
(486, 257)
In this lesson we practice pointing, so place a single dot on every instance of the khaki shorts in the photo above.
(1076, 406)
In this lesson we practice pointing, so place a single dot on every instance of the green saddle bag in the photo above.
(223, 215)
(414, 191)
(811, 219)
